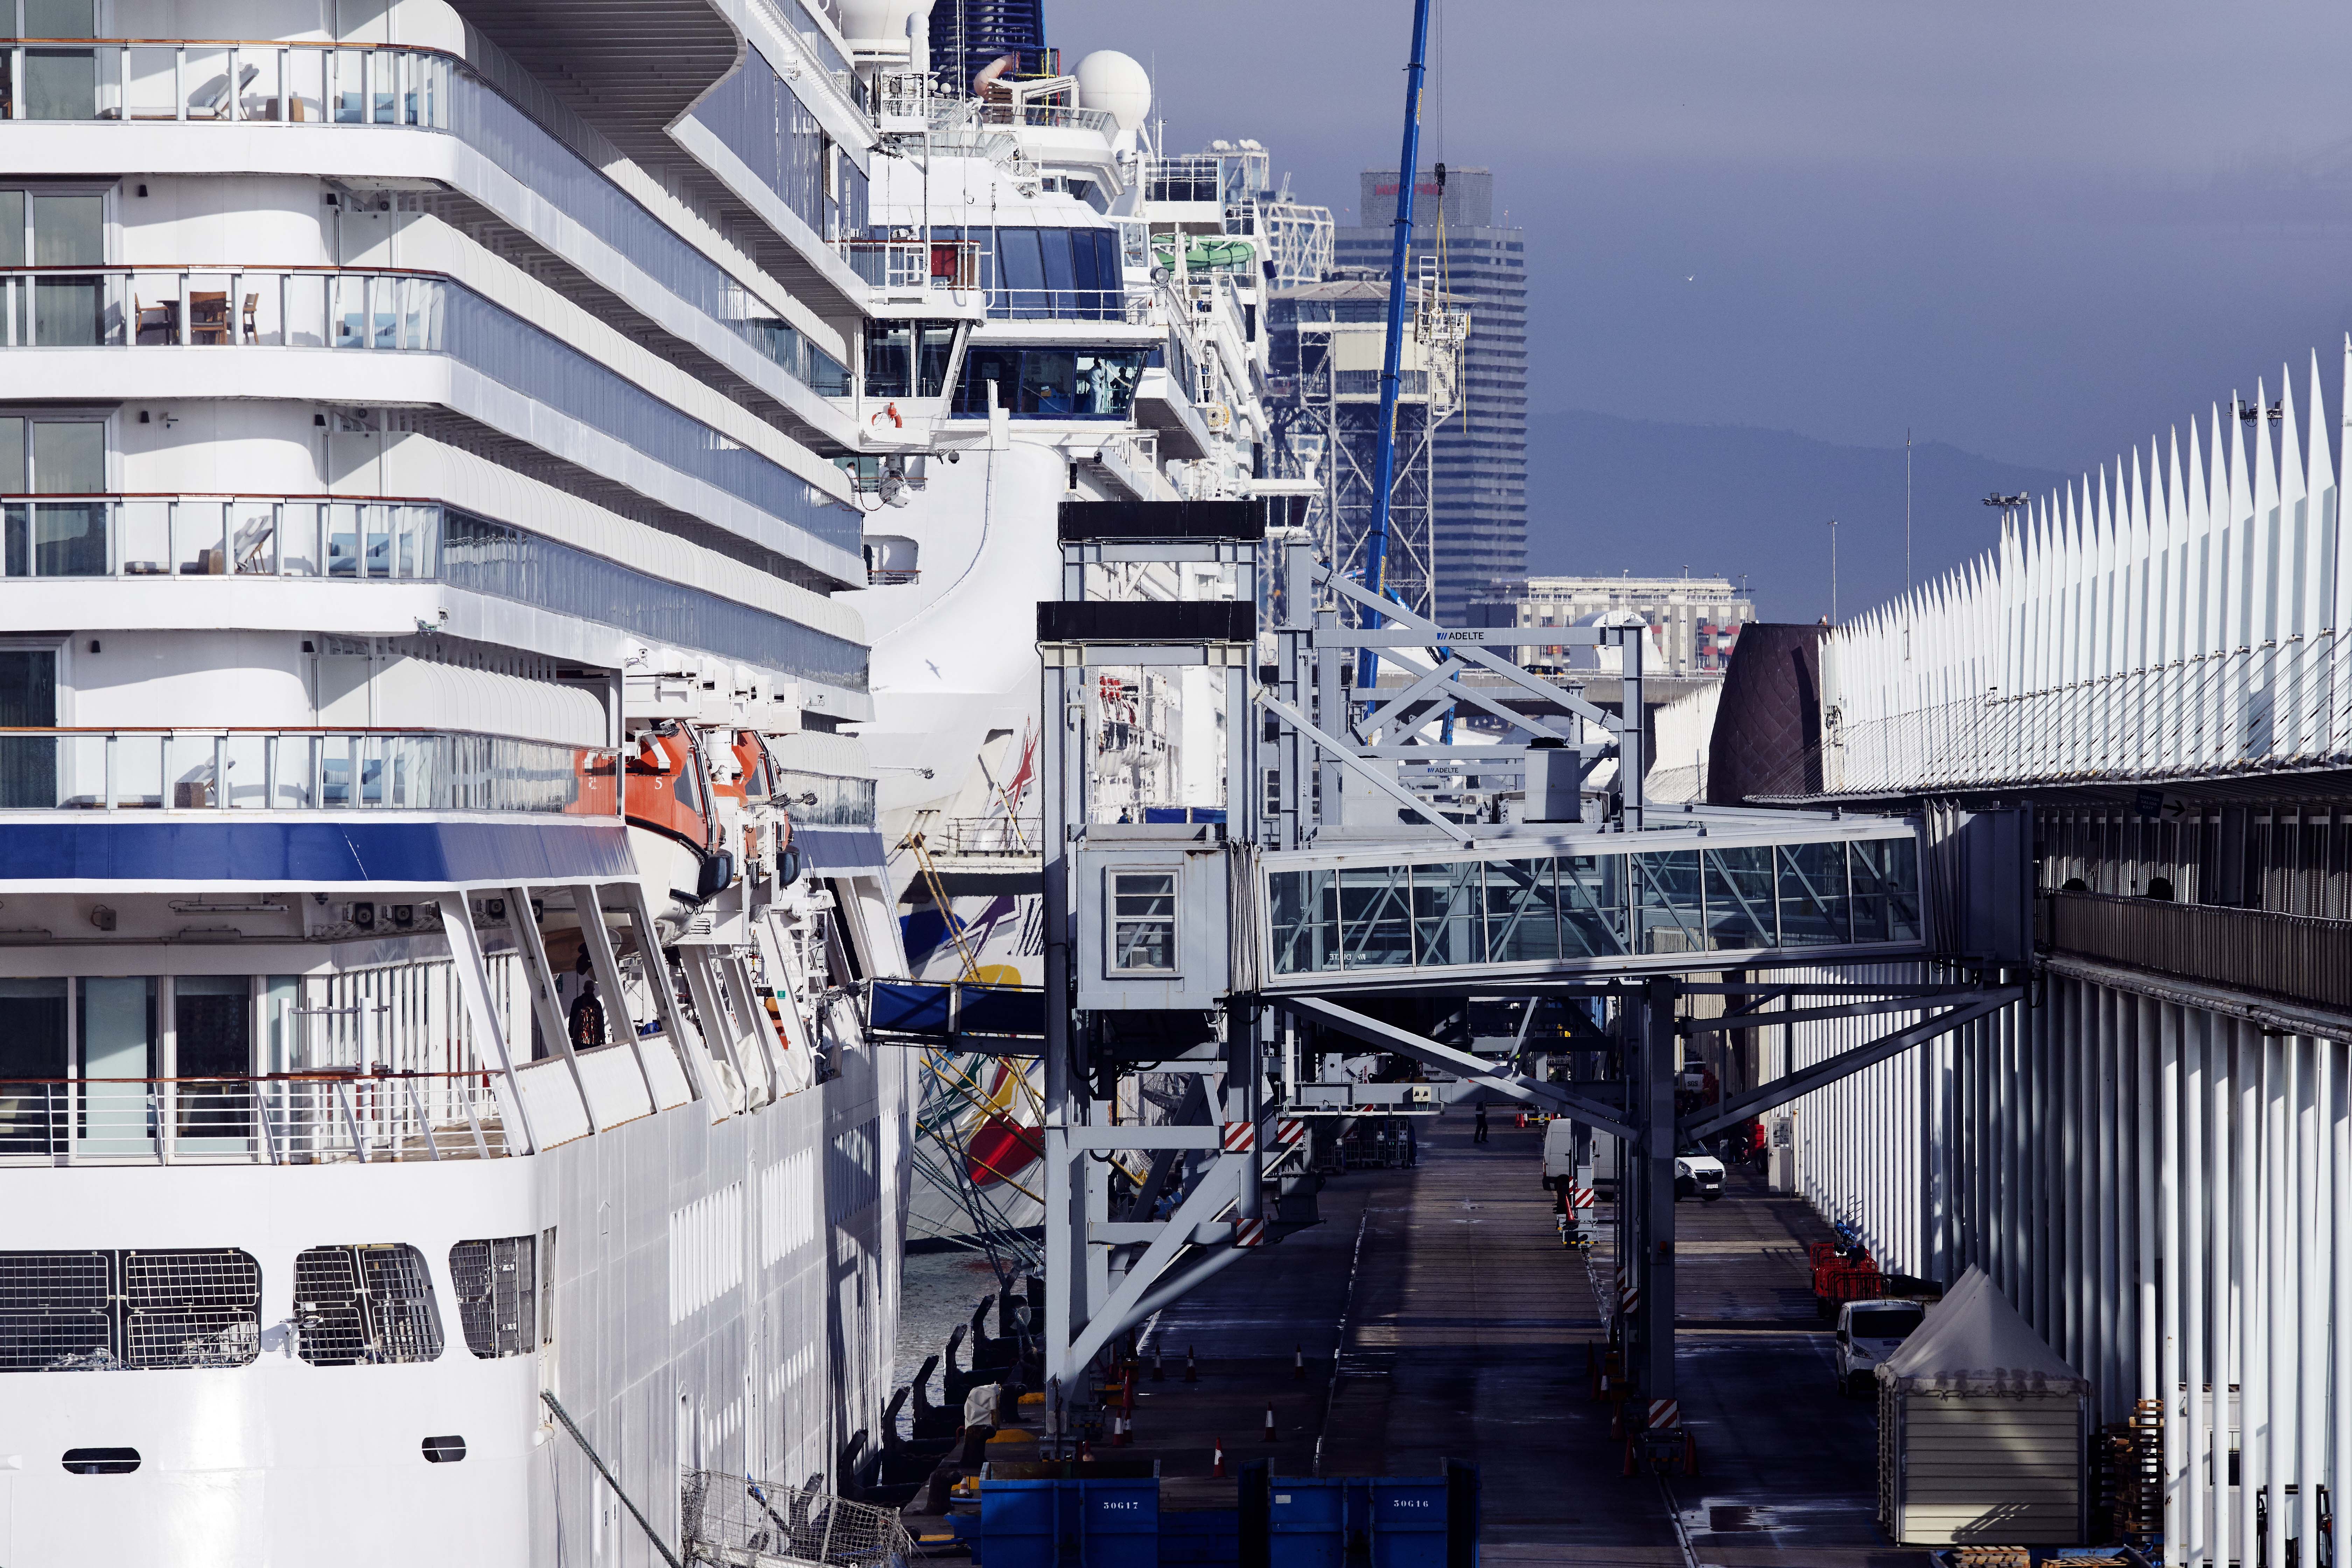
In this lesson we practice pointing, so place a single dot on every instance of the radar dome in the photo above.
(1113, 81)
(877, 19)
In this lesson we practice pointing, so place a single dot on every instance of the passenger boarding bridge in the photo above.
(1362, 883)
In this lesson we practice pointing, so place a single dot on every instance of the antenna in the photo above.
(1907, 510)
(1833, 614)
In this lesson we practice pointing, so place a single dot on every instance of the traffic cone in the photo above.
(1158, 1373)
(1191, 1366)
(1298, 1363)
(1269, 1424)
(1120, 1431)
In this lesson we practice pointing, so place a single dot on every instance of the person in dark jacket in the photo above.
(1478, 1135)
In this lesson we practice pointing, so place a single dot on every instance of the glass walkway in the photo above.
(1741, 892)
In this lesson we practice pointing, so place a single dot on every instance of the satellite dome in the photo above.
(877, 19)
(1113, 81)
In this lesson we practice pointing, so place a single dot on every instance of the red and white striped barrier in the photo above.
(1249, 1233)
(1665, 1413)
(1240, 1137)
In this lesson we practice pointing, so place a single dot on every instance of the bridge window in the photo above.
(1580, 907)
(1143, 921)
(1739, 899)
(1885, 875)
(1670, 911)
(1814, 910)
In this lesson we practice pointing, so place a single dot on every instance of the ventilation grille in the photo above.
(364, 1306)
(72, 1311)
(497, 1293)
(191, 1308)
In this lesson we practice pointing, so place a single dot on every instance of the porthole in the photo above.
(101, 1461)
(444, 1451)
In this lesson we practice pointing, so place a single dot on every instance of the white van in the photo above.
(1560, 1155)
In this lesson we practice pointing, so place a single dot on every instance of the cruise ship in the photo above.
(1116, 351)
(438, 441)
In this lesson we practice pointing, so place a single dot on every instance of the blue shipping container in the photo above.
(1400, 1520)
(1070, 1524)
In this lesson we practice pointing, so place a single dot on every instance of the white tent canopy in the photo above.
(1974, 1341)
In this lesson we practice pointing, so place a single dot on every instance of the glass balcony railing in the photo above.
(216, 536)
(1566, 907)
(301, 770)
(255, 83)
(219, 307)
(252, 82)
(183, 308)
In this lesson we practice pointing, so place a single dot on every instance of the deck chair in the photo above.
(208, 316)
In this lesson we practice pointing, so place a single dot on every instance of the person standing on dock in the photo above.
(1478, 1135)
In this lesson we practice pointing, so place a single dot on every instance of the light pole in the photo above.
(2010, 506)
(1833, 615)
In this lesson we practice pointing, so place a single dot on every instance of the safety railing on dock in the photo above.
(295, 1119)
(2296, 956)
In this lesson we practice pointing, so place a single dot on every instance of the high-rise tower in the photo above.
(1480, 480)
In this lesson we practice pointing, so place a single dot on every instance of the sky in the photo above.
(2036, 232)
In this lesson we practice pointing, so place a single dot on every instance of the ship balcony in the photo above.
(296, 333)
(932, 279)
(282, 1118)
(217, 773)
(247, 537)
(227, 80)
(221, 307)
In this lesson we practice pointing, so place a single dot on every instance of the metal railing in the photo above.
(220, 307)
(914, 263)
(244, 82)
(892, 576)
(985, 836)
(2296, 956)
(285, 1119)
(732, 1520)
(218, 536)
(224, 770)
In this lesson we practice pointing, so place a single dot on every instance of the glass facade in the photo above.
(1056, 383)
(763, 122)
(1046, 274)
(1571, 908)
(499, 559)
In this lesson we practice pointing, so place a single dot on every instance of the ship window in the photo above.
(1051, 383)
(93, 1311)
(101, 1461)
(1143, 920)
(497, 1283)
(444, 1451)
(364, 1306)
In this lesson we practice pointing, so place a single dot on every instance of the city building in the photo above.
(1480, 475)
(1326, 342)
(1696, 620)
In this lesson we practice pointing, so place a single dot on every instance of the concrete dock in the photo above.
(1439, 1317)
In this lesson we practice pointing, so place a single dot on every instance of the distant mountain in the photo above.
(1607, 495)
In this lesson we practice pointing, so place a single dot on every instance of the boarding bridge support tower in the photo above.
(1364, 879)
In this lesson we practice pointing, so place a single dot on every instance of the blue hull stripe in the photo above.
(412, 854)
